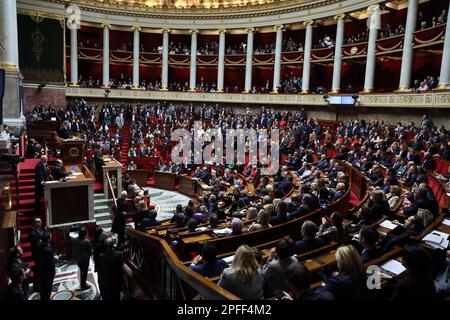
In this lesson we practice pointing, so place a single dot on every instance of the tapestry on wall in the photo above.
(41, 49)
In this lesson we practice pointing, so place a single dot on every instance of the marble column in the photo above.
(12, 107)
(277, 64)
(136, 31)
(408, 53)
(249, 60)
(165, 61)
(337, 65)
(106, 79)
(444, 76)
(307, 56)
(221, 61)
(371, 60)
(73, 57)
(193, 71)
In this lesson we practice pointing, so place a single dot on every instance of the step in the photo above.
(25, 245)
(26, 182)
(104, 222)
(99, 200)
(27, 175)
(102, 215)
(103, 207)
(28, 188)
(99, 195)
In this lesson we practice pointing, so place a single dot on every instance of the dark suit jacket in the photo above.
(414, 207)
(45, 262)
(35, 238)
(344, 288)
(301, 211)
(371, 253)
(303, 246)
(409, 287)
(110, 269)
(58, 173)
(42, 174)
(15, 293)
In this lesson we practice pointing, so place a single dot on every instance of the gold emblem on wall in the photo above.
(74, 152)
(38, 39)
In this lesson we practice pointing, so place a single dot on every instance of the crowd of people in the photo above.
(371, 147)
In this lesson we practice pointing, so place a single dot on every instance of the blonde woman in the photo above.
(393, 196)
(350, 281)
(244, 279)
(262, 221)
(252, 213)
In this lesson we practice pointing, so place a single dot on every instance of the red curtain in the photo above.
(235, 76)
(118, 38)
(178, 75)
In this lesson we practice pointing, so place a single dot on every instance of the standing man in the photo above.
(120, 217)
(46, 266)
(42, 175)
(35, 238)
(110, 272)
(82, 251)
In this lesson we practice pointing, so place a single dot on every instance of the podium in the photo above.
(71, 201)
(138, 175)
(112, 169)
(165, 180)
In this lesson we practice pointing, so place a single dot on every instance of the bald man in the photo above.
(58, 171)
(42, 175)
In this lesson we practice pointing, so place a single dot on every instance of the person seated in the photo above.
(64, 131)
(309, 240)
(332, 228)
(179, 219)
(33, 149)
(416, 283)
(149, 221)
(58, 171)
(131, 166)
(413, 226)
(350, 281)
(305, 208)
(207, 263)
(420, 201)
(378, 205)
(142, 212)
(134, 190)
(368, 238)
(298, 283)
(339, 191)
(237, 227)
(192, 225)
(394, 196)
(244, 278)
(281, 213)
(274, 271)
(262, 221)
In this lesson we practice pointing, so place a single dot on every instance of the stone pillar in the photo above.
(106, 79)
(277, 64)
(136, 57)
(193, 71)
(73, 57)
(221, 61)
(371, 59)
(444, 76)
(165, 61)
(12, 107)
(307, 56)
(408, 53)
(249, 60)
(337, 66)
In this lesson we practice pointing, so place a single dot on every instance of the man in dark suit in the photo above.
(110, 272)
(14, 291)
(309, 241)
(305, 208)
(45, 264)
(368, 238)
(58, 171)
(420, 202)
(42, 174)
(120, 217)
(81, 252)
(35, 238)
(32, 149)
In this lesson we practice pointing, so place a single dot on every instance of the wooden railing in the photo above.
(153, 266)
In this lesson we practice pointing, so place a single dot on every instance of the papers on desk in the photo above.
(388, 225)
(393, 267)
(71, 177)
(446, 222)
(51, 181)
(201, 228)
(77, 173)
(437, 239)
(223, 232)
(229, 259)
(74, 168)
(73, 235)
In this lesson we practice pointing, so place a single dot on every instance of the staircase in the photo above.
(125, 143)
(101, 211)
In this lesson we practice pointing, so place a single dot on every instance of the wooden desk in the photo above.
(70, 201)
(165, 180)
(72, 150)
(114, 170)
(200, 237)
(187, 185)
(138, 175)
